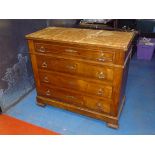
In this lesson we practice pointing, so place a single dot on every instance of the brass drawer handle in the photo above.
(99, 106)
(48, 92)
(101, 59)
(46, 79)
(44, 65)
(100, 92)
(71, 51)
(72, 67)
(101, 75)
(102, 54)
(41, 49)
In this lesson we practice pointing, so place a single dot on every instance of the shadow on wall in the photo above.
(16, 78)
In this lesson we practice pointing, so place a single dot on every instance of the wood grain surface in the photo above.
(82, 70)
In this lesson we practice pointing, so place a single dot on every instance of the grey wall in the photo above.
(16, 78)
(63, 22)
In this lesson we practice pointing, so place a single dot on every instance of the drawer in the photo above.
(59, 80)
(61, 95)
(95, 55)
(97, 104)
(76, 84)
(99, 90)
(73, 67)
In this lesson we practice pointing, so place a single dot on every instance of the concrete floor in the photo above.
(138, 116)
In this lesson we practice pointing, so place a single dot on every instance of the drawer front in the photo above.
(99, 56)
(61, 95)
(100, 90)
(97, 104)
(98, 72)
(69, 97)
(62, 81)
(76, 84)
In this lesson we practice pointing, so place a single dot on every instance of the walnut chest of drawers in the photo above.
(81, 70)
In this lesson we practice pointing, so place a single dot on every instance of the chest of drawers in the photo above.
(81, 70)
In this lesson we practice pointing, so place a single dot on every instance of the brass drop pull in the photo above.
(101, 59)
(104, 59)
(44, 65)
(102, 54)
(46, 79)
(99, 106)
(101, 75)
(41, 49)
(71, 67)
(48, 92)
(71, 51)
(100, 92)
